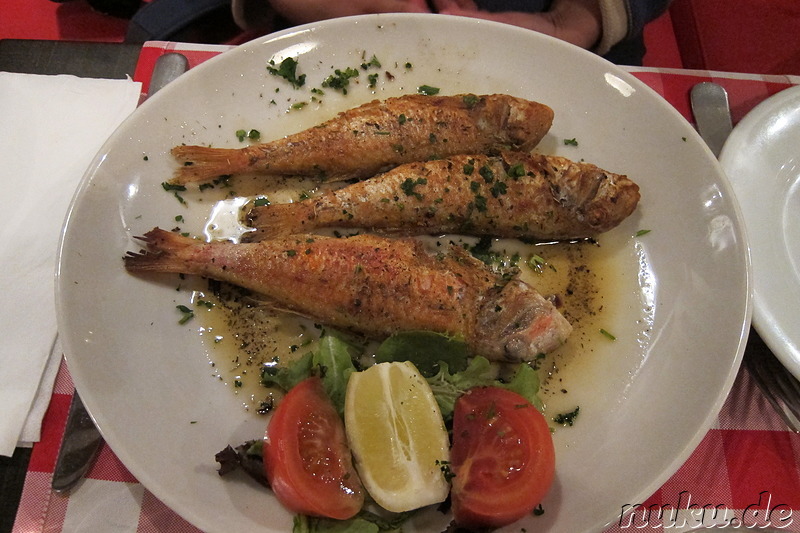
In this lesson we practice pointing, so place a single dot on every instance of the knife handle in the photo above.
(168, 67)
(712, 114)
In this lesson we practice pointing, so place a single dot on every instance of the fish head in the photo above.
(518, 324)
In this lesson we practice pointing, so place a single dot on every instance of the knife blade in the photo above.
(78, 449)
(82, 440)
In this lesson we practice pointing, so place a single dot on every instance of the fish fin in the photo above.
(203, 163)
(161, 253)
(279, 220)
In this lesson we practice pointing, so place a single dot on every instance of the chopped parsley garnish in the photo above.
(340, 79)
(498, 189)
(172, 187)
(470, 100)
(642, 232)
(486, 173)
(428, 90)
(373, 80)
(222, 181)
(408, 187)
(571, 142)
(607, 335)
(175, 189)
(567, 419)
(536, 262)
(261, 201)
(253, 135)
(371, 63)
(288, 71)
(516, 171)
(187, 314)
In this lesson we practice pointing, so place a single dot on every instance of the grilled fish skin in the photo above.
(379, 135)
(374, 285)
(514, 194)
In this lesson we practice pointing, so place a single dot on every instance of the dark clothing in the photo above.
(629, 51)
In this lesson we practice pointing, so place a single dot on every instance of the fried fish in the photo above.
(377, 136)
(514, 194)
(374, 285)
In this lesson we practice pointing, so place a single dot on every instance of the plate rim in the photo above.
(773, 334)
(627, 76)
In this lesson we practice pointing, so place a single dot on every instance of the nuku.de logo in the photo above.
(684, 513)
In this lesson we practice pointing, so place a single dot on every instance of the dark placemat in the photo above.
(85, 59)
(12, 478)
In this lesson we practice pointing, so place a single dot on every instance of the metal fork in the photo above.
(713, 117)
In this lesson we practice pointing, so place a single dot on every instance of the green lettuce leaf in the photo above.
(426, 349)
(287, 376)
(363, 522)
(448, 387)
(310, 524)
(332, 361)
(444, 361)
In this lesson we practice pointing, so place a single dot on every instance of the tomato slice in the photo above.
(502, 457)
(306, 457)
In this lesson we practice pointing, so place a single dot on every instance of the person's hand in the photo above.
(302, 11)
(575, 21)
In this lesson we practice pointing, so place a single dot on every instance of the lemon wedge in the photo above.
(397, 436)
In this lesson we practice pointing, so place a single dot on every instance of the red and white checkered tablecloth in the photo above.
(746, 468)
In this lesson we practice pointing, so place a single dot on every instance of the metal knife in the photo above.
(82, 439)
(712, 113)
(78, 449)
(168, 67)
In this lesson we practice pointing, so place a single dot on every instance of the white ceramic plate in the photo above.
(680, 314)
(762, 160)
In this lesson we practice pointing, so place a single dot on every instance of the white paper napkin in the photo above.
(51, 127)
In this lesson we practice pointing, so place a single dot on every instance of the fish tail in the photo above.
(279, 220)
(203, 163)
(162, 254)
